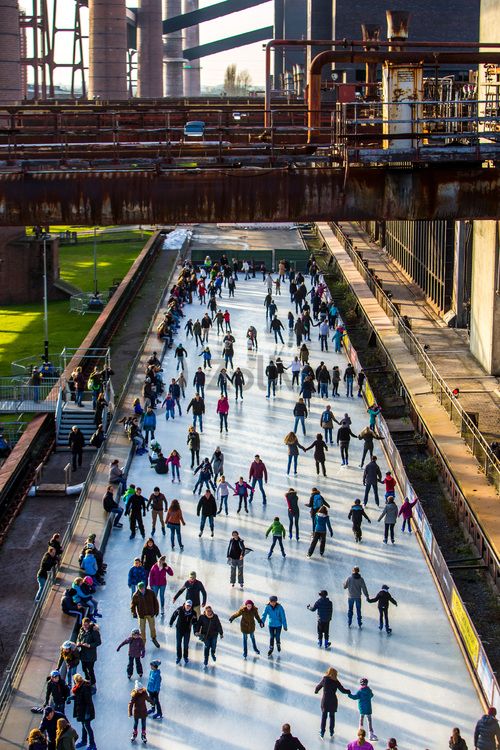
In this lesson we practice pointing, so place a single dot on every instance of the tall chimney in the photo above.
(192, 78)
(150, 49)
(172, 52)
(371, 36)
(398, 22)
(108, 49)
(10, 52)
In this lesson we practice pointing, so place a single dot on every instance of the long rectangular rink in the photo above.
(421, 684)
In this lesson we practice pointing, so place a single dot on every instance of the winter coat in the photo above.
(56, 691)
(276, 529)
(89, 565)
(208, 627)
(300, 410)
(67, 739)
(319, 450)
(356, 514)
(222, 406)
(149, 421)
(47, 563)
(272, 372)
(364, 697)
(248, 617)
(92, 637)
(157, 502)
(199, 377)
(175, 390)
(486, 731)
(277, 616)
(390, 513)
(137, 707)
(241, 489)
(158, 576)
(109, 502)
(406, 510)
(355, 586)
(235, 549)
(322, 523)
(136, 647)
(390, 484)
(372, 473)
(193, 441)
(293, 503)
(149, 556)
(383, 598)
(460, 745)
(288, 742)
(185, 619)
(144, 605)
(137, 574)
(307, 389)
(197, 405)
(175, 517)
(83, 707)
(327, 419)
(293, 448)
(258, 470)
(71, 657)
(194, 591)
(76, 441)
(324, 607)
(154, 681)
(136, 505)
(329, 686)
(207, 506)
(50, 725)
(217, 462)
(344, 434)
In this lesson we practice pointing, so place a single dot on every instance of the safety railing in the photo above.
(19, 394)
(88, 303)
(478, 445)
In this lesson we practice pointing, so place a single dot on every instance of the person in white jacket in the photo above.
(222, 493)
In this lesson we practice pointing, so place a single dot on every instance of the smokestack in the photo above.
(398, 22)
(371, 35)
(150, 49)
(172, 52)
(10, 52)
(192, 82)
(108, 49)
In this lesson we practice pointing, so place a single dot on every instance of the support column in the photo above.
(319, 26)
(10, 52)
(485, 296)
(108, 49)
(279, 33)
(172, 52)
(192, 68)
(149, 49)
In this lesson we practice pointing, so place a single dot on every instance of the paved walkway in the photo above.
(448, 347)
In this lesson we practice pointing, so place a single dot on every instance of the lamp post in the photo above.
(45, 304)
(96, 290)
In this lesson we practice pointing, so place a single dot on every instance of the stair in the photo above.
(82, 418)
(66, 287)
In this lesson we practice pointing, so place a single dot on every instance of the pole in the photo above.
(45, 305)
(96, 291)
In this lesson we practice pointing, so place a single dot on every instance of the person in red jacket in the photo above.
(258, 474)
(223, 411)
(390, 485)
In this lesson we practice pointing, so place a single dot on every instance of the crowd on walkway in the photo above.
(199, 307)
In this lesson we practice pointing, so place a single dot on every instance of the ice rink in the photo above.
(421, 685)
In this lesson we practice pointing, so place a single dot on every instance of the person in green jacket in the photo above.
(66, 736)
(278, 531)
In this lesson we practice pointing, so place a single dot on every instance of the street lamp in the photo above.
(45, 304)
(96, 291)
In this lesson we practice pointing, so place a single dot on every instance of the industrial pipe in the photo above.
(371, 36)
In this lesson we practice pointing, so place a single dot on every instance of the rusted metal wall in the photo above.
(250, 195)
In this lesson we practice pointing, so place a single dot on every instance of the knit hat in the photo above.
(155, 663)
(249, 601)
(55, 673)
(89, 580)
(138, 685)
(136, 631)
(188, 601)
(48, 710)
(363, 681)
(385, 587)
(273, 598)
(492, 711)
(141, 585)
(323, 592)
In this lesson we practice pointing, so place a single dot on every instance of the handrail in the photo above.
(468, 430)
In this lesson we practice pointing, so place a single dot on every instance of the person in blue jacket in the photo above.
(89, 564)
(321, 524)
(136, 574)
(153, 688)
(364, 697)
(277, 620)
(324, 607)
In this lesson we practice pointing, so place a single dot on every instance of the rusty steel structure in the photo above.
(10, 52)
(150, 49)
(108, 49)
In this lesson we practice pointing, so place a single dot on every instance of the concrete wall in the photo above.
(21, 268)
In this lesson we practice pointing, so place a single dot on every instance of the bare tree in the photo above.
(243, 81)
(236, 84)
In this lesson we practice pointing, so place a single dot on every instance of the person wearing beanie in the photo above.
(487, 731)
(364, 697)
(324, 607)
(383, 598)
(48, 725)
(277, 620)
(278, 531)
(154, 684)
(249, 614)
(321, 525)
(356, 515)
(136, 652)
(185, 618)
(138, 710)
(56, 691)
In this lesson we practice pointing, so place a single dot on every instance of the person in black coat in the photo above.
(194, 591)
(89, 638)
(83, 710)
(320, 447)
(324, 607)
(136, 509)
(329, 702)
(207, 507)
(186, 618)
(209, 628)
(56, 692)
(287, 741)
(76, 442)
(150, 554)
(48, 725)
(344, 435)
(383, 598)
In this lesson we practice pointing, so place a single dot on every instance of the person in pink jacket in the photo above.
(360, 743)
(158, 580)
(223, 411)
(175, 460)
(406, 511)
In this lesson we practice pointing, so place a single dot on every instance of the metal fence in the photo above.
(88, 303)
(18, 395)
(478, 445)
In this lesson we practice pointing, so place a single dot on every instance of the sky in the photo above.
(250, 57)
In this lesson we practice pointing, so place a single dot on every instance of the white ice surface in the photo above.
(421, 685)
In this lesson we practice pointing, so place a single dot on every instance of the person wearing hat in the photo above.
(195, 591)
(185, 618)
(487, 731)
(324, 607)
(383, 598)
(48, 725)
(154, 684)
(136, 574)
(138, 710)
(88, 640)
(249, 614)
(277, 620)
(136, 652)
(56, 692)
(144, 605)
(364, 697)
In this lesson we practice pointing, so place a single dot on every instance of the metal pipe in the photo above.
(45, 305)
(371, 35)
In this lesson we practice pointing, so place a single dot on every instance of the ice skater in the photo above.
(364, 697)
(383, 598)
(249, 614)
(277, 621)
(278, 532)
(137, 709)
(154, 684)
(324, 607)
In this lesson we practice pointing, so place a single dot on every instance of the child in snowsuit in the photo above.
(383, 599)
(364, 697)
(356, 515)
(136, 651)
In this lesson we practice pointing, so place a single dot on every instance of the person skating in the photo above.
(209, 628)
(193, 441)
(185, 618)
(238, 383)
(136, 509)
(320, 447)
(207, 508)
(217, 462)
(48, 726)
(88, 641)
(138, 710)
(406, 511)
(174, 520)
(136, 652)
(390, 485)
(206, 476)
(316, 501)
(356, 515)
(487, 731)
(300, 413)
(199, 382)
(329, 701)
(158, 580)
(372, 477)
(349, 374)
(287, 741)
(293, 445)
(360, 743)
(321, 525)
(222, 494)
(390, 516)
(195, 591)
(223, 410)
(174, 460)
(367, 436)
(235, 557)
(456, 742)
(364, 697)
(326, 423)
(249, 614)
(149, 555)
(355, 585)
(83, 710)
(197, 404)
(136, 574)
(344, 435)
(241, 489)
(153, 688)
(383, 598)
(277, 621)
(272, 378)
(324, 607)
(292, 502)
(278, 533)
(144, 606)
(257, 474)
(158, 504)
(276, 327)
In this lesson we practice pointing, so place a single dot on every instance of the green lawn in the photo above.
(21, 326)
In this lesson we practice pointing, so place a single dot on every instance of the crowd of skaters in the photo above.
(148, 575)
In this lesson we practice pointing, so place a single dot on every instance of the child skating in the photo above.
(154, 684)
(364, 697)
(278, 531)
(138, 710)
(136, 651)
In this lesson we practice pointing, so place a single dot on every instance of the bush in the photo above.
(427, 470)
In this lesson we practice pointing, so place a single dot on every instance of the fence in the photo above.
(468, 430)
(18, 395)
(88, 303)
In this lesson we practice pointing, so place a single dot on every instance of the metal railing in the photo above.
(83, 303)
(18, 395)
(472, 436)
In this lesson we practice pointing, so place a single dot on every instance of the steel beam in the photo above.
(231, 42)
(251, 194)
(176, 23)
